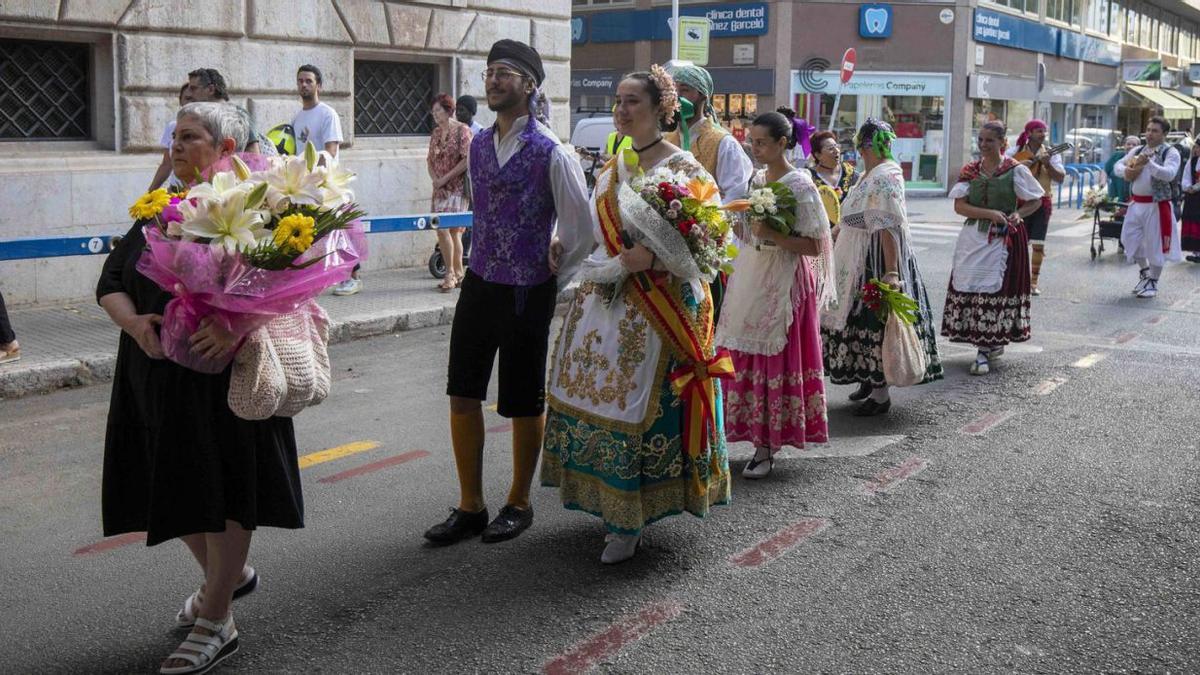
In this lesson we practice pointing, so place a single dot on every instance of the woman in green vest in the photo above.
(987, 304)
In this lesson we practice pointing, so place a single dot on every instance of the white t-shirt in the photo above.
(168, 136)
(319, 124)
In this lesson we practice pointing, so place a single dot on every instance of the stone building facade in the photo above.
(136, 54)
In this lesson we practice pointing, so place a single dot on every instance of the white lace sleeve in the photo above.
(1025, 185)
(960, 190)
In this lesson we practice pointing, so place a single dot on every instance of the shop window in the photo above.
(44, 90)
(1097, 16)
(1019, 5)
(392, 98)
(1066, 11)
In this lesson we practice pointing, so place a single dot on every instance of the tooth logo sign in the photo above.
(875, 21)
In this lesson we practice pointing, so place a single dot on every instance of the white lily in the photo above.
(226, 224)
(334, 188)
(290, 182)
(222, 186)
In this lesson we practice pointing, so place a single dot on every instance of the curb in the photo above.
(49, 376)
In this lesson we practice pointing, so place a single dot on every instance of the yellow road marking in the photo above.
(1088, 361)
(336, 453)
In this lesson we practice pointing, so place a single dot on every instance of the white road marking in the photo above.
(1047, 386)
(838, 446)
(1088, 361)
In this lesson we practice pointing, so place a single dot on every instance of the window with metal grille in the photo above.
(393, 98)
(44, 90)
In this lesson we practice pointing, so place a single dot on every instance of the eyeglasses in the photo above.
(498, 74)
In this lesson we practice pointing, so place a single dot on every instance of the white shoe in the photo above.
(980, 367)
(758, 468)
(621, 547)
(348, 287)
(1149, 290)
(1142, 279)
(996, 352)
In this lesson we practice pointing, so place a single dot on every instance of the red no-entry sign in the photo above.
(848, 60)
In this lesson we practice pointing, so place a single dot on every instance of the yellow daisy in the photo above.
(295, 233)
(150, 204)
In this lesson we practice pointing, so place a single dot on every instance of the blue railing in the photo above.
(57, 247)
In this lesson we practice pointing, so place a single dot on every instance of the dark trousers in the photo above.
(6, 332)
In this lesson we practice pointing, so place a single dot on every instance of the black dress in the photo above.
(176, 459)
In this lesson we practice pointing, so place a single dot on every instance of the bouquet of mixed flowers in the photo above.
(773, 203)
(1096, 198)
(885, 301)
(691, 207)
(262, 237)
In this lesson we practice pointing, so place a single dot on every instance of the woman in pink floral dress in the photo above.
(449, 147)
(771, 320)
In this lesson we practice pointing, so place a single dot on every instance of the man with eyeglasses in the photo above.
(525, 185)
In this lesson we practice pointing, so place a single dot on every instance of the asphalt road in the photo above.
(1040, 519)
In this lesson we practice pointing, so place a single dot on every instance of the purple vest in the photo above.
(514, 209)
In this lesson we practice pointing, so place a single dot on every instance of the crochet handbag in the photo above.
(283, 367)
(904, 360)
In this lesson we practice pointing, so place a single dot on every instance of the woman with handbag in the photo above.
(772, 322)
(874, 243)
(178, 464)
(987, 303)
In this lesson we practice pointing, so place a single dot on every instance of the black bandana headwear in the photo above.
(520, 55)
(878, 134)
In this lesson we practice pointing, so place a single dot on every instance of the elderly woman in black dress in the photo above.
(177, 463)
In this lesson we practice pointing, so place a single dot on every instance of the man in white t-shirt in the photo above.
(316, 121)
(319, 122)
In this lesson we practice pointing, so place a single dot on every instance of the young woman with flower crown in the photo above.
(771, 321)
(618, 440)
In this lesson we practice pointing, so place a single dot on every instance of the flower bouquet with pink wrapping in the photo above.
(260, 238)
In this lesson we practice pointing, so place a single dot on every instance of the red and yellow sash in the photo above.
(689, 340)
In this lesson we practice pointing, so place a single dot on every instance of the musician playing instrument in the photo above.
(1046, 165)
(1150, 233)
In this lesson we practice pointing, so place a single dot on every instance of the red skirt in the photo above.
(993, 319)
(1190, 236)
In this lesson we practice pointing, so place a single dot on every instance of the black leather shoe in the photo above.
(871, 408)
(1193, 258)
(510, 522)
(864, 390)
(460, 525)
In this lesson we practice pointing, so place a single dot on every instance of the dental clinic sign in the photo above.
(735, 20)
(875, 21)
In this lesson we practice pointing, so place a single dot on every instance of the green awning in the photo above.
(1195, 103)
(1172, 107)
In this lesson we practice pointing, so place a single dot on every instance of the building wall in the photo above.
(142, 51)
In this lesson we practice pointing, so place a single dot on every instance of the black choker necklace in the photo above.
(648, 146)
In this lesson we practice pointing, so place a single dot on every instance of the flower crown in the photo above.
(666, 87)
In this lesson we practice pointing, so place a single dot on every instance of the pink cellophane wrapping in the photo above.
(207, 281)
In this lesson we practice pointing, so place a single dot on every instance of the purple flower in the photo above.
(676, 205)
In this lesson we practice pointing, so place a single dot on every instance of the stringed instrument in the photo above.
(1025, 155)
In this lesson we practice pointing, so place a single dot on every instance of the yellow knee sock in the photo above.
(1039, 254)
(527, 447)
(466, 434)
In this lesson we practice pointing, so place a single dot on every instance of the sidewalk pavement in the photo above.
(72, 345)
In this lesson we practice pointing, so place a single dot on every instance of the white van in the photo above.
(592, 133)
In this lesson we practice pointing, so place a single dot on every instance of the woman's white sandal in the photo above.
(204, 652)
(186, 617)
